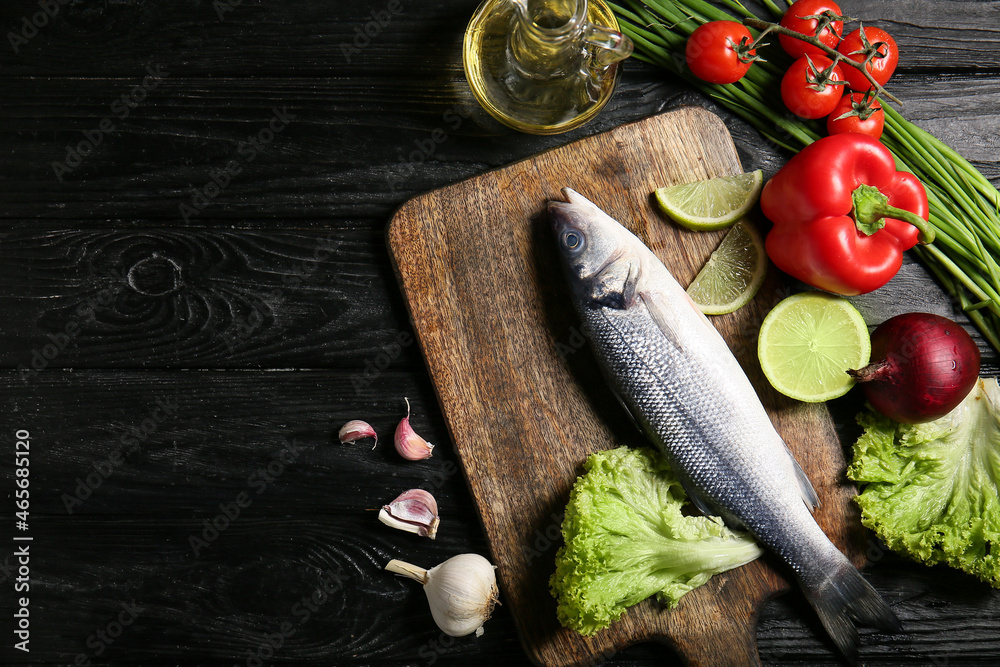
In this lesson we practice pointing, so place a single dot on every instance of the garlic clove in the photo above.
(415, 511)
(355, 430)
(410, 445)
(461, 591)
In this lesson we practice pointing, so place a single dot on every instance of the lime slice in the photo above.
(711, 204)
(807, 344)
(733, 274)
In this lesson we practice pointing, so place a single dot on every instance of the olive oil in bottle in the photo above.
(543, 66)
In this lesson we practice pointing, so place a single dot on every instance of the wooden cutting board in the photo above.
(524, 399)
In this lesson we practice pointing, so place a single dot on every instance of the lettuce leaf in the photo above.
(627, 538)
(932, 491)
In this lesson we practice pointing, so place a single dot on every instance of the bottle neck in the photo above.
(547, 37)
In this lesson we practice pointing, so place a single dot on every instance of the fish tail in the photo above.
(842, 598)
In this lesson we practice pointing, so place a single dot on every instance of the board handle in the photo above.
(728, 642)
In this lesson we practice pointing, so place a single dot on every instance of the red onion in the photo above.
(923, 365)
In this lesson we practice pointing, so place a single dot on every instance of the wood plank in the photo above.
(331, 164)
(344, 155)
(304, 38)
(179, 443)
(505, 388)
(250, 39)
(317, 581)
(938, 35)
(197, 297)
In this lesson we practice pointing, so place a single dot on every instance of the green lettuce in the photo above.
(629, 536)
(930, 491)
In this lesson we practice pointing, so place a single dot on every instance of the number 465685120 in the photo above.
(21, 451)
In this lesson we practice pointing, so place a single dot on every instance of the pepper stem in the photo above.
(871, 208)
(412, 571)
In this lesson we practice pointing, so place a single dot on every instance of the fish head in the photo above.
(596, 250)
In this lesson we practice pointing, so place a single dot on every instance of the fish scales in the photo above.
(684, 388)
(676, 400)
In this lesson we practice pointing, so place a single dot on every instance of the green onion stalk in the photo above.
(964, 205)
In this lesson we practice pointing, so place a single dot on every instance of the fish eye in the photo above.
(572, 240)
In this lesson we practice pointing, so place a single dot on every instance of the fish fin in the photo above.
(698, 501)
(658, 313)
(631, 415)
(805, 486)
(614, 287)
(844, 597)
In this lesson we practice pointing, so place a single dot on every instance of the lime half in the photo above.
(711, 204)
(807, 344)
(733, 274)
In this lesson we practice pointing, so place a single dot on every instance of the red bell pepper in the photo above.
(843, 215)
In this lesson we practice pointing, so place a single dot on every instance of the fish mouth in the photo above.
(564, 212)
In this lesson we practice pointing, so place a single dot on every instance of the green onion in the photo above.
(964, 205)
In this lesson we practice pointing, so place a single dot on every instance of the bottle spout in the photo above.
(611, 45)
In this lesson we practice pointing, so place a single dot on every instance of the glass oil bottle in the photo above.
(543, 66)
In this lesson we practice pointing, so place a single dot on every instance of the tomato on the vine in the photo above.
(719, 51)
(860, 113)
(812, 86)
(873, 43)
(819, 18)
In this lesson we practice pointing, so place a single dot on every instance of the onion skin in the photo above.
(923, 365)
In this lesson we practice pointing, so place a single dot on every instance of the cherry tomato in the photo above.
(809, 88)
(882, 64)
(857, 113)
(794, 19)
(718, 51)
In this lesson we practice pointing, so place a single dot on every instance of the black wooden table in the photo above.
(196, 295)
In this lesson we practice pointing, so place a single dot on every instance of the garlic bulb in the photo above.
(410, 445)
(461, 591)
(415, 511)
(355, 430)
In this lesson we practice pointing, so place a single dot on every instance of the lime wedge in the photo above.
(807, 344)
(711, 204)
(733, 274)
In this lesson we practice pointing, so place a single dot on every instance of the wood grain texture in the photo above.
(129, 539)
(354, 146)
(196, 298)
(352, 155)
(523, 399)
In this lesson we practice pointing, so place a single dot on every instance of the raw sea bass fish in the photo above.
(677, 377)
